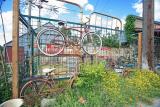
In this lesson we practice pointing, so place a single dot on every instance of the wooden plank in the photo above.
(15, 43)
(139, 50)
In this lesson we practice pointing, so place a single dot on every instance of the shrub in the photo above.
(100, 88)
(90, 75)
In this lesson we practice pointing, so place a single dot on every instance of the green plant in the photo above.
(98, 87)
(90, 75)
(66, 32)
(130, 28)
(5, 83)
(110, 41)
(114, 87)
(144, 85)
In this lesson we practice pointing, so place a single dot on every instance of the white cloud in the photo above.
(7, 18)
(63, 11)
(138, 6)
(157, 10)
(47, 10)
(80, 2)
(89, 7)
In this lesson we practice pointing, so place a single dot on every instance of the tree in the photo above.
(130, 28)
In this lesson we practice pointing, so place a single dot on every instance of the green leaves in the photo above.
(130, 28)
(110, 41)
(5, 86)
(91, 74)
(104, 88)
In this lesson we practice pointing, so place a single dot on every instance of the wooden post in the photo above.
(139, 50)
(148, 34)
(15, 45)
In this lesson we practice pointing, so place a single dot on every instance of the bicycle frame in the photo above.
(87, 43)
(44, 86)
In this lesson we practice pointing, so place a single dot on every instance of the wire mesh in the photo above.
(69, 59)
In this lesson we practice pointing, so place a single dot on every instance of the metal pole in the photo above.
(148, 34)
(39, 21)
(39, 25)
(30, 36)
(15, 46)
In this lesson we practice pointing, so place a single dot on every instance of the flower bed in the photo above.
(98, 87)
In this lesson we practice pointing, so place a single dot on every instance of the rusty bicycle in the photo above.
(47, 85)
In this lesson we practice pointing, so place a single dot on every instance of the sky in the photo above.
(117, 8)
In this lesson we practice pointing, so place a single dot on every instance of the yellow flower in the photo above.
(82, 100)
(130, 99)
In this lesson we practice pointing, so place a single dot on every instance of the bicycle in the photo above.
(52, 41)
(44, 86)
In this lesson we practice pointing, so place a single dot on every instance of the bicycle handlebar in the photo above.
(87, 21)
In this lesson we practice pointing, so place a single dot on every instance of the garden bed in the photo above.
(98, 87)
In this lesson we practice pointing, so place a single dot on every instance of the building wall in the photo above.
(139, 23)
(8, 58)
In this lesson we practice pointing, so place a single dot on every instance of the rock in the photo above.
(12, 103)
(46, 101)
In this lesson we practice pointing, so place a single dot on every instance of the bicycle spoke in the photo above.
(91, 43)
(50, 42)
(44, 88)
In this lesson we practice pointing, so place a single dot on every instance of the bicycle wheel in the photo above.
(50, 41)
(91, 43)
(33, 91)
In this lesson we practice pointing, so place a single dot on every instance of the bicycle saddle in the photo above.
(48, 70)
(61, 23)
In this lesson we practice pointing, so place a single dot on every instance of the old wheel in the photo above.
(33, 91)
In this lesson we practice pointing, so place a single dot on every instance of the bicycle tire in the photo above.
(31, 95)
(87, 45)
(54, 38)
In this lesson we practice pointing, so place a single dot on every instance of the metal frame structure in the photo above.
(25, 38)
(25, 41)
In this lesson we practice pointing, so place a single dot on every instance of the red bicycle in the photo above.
(52, 41)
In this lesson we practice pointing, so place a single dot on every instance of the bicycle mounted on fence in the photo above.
(51, 41)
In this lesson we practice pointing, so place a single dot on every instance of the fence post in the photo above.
(139, 50)
(15, 46)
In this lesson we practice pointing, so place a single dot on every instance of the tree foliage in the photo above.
(66, 32)
(5, 83)
(110, 41)
(130, 27)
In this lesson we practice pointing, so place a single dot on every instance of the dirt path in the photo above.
(156, 103)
